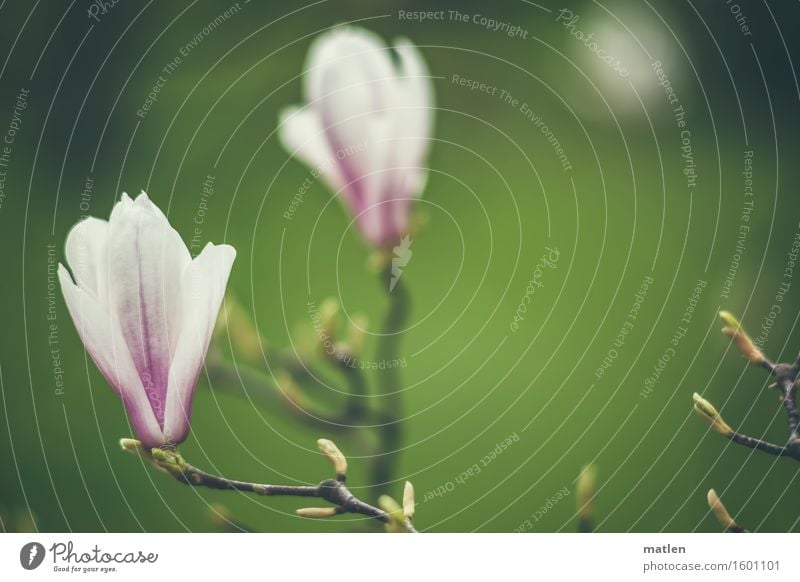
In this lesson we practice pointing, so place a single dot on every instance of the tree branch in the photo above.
(334, 491)
(785, 379)
(767, 447)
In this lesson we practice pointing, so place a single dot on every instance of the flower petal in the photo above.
(302, 135)
(108, 350)
(348, 48)
(203, 285)
(145, 290)
(87, 255)
(414, 119)
(376, 117)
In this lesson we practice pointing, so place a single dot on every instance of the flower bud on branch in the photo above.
(734, 330)
(707, 412)
(585, 490)
(408, 501)
(333, 491)
(317, 512)
(397, 520)
(335, 456)
(721, 513)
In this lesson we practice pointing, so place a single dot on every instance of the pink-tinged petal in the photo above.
(358, 135)
(302, 135)
(350, 82)
(202, 289)
(148, 257)
(108, 350)
(376, 116)
(87, 255)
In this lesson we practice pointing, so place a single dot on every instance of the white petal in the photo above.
(415, 120)
(350, 81)
(357, 128)
(343, 48)
(415, 83)
(202, 288)
(147, 257)
(87, 255)
(109, 352)
(302, 135)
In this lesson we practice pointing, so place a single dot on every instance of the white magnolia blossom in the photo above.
(145, 311)
(365, 127)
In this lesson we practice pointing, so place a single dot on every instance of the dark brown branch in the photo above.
(761, 445)
(334, 491)
(785, 380)
(331, 490)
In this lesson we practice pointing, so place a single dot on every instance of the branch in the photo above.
(761, 445)
(785, 379)
(245, 339)
(242, 380)
(708, 413)
(333, 491)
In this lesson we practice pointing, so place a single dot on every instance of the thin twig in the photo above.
(761, 445)
(334, 491)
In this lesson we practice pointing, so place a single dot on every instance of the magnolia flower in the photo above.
(145, 311)
(366, 127)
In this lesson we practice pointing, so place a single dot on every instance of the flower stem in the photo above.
(390, 403)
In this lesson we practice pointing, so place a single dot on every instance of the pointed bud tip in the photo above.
(719, 510)
(729, 320)
(408, 500)
(334, 455)
(397, 521)
(132, 446)
(709, 414)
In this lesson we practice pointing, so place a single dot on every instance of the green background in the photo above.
(496, 197)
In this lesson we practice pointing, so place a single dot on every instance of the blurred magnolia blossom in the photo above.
(365, 127)
(621, 51)
(145, 311)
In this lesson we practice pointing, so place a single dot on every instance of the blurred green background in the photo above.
(497, 196)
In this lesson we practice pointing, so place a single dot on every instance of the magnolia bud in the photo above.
(317, 512)
(585, 490)
(734, 330)
(729, 320)
(329, 317)
(397, 521)
(707, 412)
(721, 513)
(408, 500)
(335, 456)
